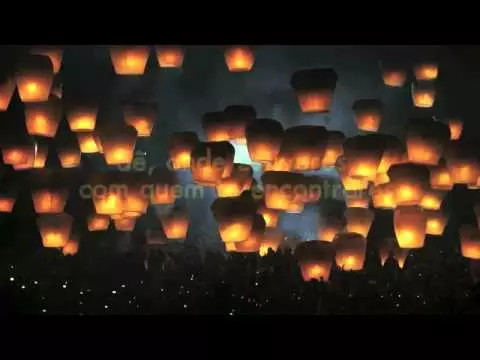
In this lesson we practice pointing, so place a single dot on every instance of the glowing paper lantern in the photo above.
(315, 259)
(359, 220)
(282, 190)
(436, 222)
(456, 128)
(136, 199)
(170, 57)
(180, 149)
(334, 148)
(423, 95)
(393, 77)
(129, 60)
(432, 200)
(215, 126)
(464, 170)
(55, 229)
(142, 116)
(175, 225)
(34, 78)
(82, 117)
(426, 139)
(239, 59)
(351, 183)
(125, 224)
(270, 216)
(54, 54)
(71, 247)
(330, 228)
(283, 162)
(7, 87)
(314, 89)
(97, 222)
(212, 161)
(240, 180)
(383, 196)
(426, 71)
(368, 114)
(162, 188)
(410, 223)
(238, 117)
(118, 144)
(49, 200)
(350, 251)
(271, 240)
(7, 202)
(43, 118)
(108, 193)
(69, 157)
(470, 242)
(87, 143)
(254, 241)
(440, 178)
(409, 181)
(363, 154)
(264, 137)
(18, 154)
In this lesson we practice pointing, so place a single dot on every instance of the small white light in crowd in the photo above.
(23, 286)
(106, 306)
(123, 286)
(35, 282)
(44, 310)
(185, 306)
(64, 286)
(12, 279)
(114, 292)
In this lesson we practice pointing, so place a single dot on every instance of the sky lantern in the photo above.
(305, 145)
(264, 138)
(470, 242)
(180, 149)
(82, 117)
(142, 116)
(72, 246)
(239, 59)
(368, 114)
(423, 95)
(162, 187)
(432, 199)
(272, 239)
(53, 53)
(350, 251)
(362, 155)
(55, 229)
(170, 56)
(124, 223)
(34, 78)
(118, 144)
(334, 148)
(410, 223)
(426, 139)
(314, 89)
(239, 180)
(175, 225)
(254, 241)
(270, 216)
(394, 76)
(436, 222)
(7, 202)
(280, 189)
(70, 157)
(136, 201)
(283, 162)
(49, 200)
(456, 128)
(212, 161)
(7, 87)
(330, 227)
(18, 152)
(315, 259)
(97, 222)
(235, 217)
(394, 153)
(383, 196)
(352, 183)
(215, 126)
(409, 181)
(462, 164)
(440, 178)
(87, 143)
(426, 71)
(108, 193)
(129, 60)
(359, 220)
(43, 118)
(238, 117)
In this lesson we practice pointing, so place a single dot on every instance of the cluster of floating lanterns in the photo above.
(383, 173)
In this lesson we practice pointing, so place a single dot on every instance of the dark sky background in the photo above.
(204, 84)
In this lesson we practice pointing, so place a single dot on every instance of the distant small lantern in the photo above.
(55, 229)
(180, 148)
(34, 78)
(118, 144)
(54, 54)
(432, 200)
(82, 117)
(362, 155)
(470, 242)
(350, 251)
(142, 116)
(440, 178)
(7, 202)
(423, 95)
(71, 247)
(162, 187)
(436, 222)
(426, 71)
(170, 57)
(359, 220)
(409, 181)
(7, 87)
(315, 259)
(87, 143)
(18, 154)
(234, 185)
(98, 222)
(394, 77)
(456, 128)
(368, 114)
(43, 118)
(175, 225)
(69, 157)
(334, 148)
(239, 59)
(49, 200)
(129, 60)
(410, 223)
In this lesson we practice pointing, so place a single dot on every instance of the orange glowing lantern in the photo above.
(239, 59)
(330, 228)
(426, 139)
(359, 220)
(142, 116)
(235, 229)
(87, 143)
(7, 87)
(175, 225)
(351, 183)
(69, 157)
(254, 241)
(129, 60)
(136, 200)
(240, 180)
(108, 193)
(212, 161)
(350, 251)
(362, 155)
(170, 57)
(314, 88)
(283, 162)
(264, 137)
(394, 153)
(124, 224)
(409, 181)
(54, 54)
(230, 246)
(381, 178)
(82, 117)
(456, 128)
(162, 188)
(394, 77)
(440, 178)
(55, 229)
(43, 118)
(423, 95)
(281, 189)
(272, 239)
(334, 148)
(7, 203)
(238, 117)
(383, 196)
(436, 222)
(270, 216)
(18, 154)
(368, 114)
(71, 247)
(426, 71)
(118, 144)
(34, 78)
(97, 222)
(49, 200)
(464, 170)
(180, 149)
(410, 223)
(215, 126)
(315, 259)
(470, 242)
(432, 200)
